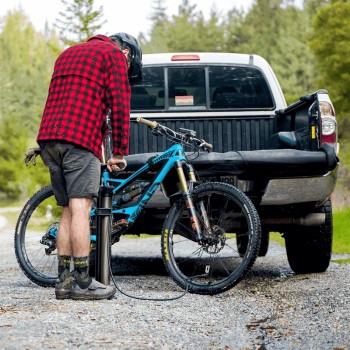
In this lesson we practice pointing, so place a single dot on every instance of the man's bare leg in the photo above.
(64, 287)
(73, 238)
(63, 237)
(80, 226)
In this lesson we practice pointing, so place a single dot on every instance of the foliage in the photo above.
(79, 20)
(26, 61)
(330, 43)
(158, 32)
(10, 135)
(189, 31)
(341, 229)
(291, 58)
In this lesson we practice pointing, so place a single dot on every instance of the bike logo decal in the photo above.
(144, 201)
(161, 157)
(165, 247)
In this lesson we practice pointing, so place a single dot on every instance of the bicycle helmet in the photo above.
(135, 70)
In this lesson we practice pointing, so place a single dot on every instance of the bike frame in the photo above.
(173, 157)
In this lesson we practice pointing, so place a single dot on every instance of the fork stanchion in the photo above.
(104, 212)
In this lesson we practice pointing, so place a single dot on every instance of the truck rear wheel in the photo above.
(309, 249)
(264, 244)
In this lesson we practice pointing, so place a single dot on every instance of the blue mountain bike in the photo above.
(210, 238)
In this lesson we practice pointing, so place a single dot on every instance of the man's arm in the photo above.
(118, 93)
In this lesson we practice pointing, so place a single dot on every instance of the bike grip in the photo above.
(149, 123)
(121, 166)
(208, 145)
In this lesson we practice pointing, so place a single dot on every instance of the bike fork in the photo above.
(196, 227)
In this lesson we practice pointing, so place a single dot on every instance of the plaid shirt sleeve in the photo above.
(118, 98)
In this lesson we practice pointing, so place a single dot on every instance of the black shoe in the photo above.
(63, 290)
(95, 291)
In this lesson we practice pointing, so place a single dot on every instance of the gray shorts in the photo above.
(74, 171)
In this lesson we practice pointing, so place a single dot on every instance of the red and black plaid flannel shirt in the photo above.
(88, 80)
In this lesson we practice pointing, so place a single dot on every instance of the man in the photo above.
(89, 80)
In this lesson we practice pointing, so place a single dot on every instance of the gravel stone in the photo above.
(271, 308)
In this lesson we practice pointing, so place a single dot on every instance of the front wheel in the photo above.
(214, 264)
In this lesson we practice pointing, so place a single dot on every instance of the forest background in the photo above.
(308, 48)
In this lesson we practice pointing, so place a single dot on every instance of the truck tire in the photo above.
(264, 244)
(309, 248)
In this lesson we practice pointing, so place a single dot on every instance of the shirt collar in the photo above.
(101, 38)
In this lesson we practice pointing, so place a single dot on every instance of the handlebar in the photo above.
(181, 137)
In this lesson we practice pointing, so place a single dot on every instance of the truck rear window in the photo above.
(201, 88)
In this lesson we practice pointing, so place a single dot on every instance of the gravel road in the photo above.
(270, 309)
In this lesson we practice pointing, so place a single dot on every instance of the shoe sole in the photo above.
(91, 297)
(63, 295)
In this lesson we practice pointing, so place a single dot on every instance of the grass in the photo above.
(341, 231)
(276, 237)
(10, 204)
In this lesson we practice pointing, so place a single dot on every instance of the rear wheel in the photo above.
(309, 249)
(213, 265)
(35, 238)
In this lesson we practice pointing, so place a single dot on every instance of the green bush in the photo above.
(341, 231)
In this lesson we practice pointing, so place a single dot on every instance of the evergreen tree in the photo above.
(292, 58)
(26, 62)
(158, 33)
(311, 6)
(26, 59)
(261, 28)
(189, 31)
(331, 44)
(182, 34)
(13, 139)
(210, 33)
(79, 21)
(233, 31)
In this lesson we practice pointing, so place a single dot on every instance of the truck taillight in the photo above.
(329, 132)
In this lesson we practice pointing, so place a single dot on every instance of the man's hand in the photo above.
(116, 163)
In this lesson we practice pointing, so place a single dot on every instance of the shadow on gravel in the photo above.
(135, 266)
(261, 270)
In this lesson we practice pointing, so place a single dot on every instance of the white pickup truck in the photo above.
(283, 158)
